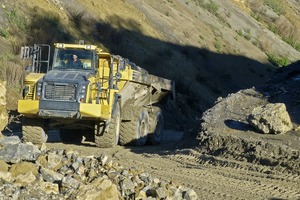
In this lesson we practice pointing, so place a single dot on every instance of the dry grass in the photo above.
(11, 70)
(123, 29)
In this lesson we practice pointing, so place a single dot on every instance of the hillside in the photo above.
(209, 48)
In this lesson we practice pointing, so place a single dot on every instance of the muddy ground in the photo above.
(227, 159)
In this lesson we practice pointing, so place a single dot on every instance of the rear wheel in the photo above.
(34, 130)
(135, 131)
(107, 135)
(156, 124)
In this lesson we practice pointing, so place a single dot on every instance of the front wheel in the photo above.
(107, 133)
(34, 130)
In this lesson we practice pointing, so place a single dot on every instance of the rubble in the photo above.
(28, 172)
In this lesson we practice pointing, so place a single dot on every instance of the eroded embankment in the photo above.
(225, 132)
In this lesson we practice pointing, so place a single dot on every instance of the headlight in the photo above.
(60, 45)
(82, 94)
(38, 91)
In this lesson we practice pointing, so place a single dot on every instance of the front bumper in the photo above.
(74, 110)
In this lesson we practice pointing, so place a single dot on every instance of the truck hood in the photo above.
(66, 76)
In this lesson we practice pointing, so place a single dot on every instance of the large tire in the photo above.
(70, 136)
(135, 132)
(156, 124)
(34, 130)
(106, 137)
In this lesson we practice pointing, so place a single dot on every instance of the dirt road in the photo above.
(211, 177)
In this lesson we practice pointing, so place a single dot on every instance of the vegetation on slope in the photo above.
(205, 51)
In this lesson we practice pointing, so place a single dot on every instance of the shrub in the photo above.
(218, 45)
(293, 42)
(278, 61)
(210, 5)
(16, 20)
(276, 5)
(4, 33)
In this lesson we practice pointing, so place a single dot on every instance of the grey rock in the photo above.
(127, 184)
(50, 188)
(113, 175)
(127, 187)
(160, 193)
(64, 169)
(69, 182)
(177, 194)
(271, 118)
(190, 195)
(146, 177)
(50, 175)
(125, 172)
(7, 141)
(17, 152)
(75, 166)
(54, 160)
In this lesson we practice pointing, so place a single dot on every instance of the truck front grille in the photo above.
(60, 92)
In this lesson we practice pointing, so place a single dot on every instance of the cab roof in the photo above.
(77, 46)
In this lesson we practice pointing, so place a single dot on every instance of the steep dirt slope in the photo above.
(174, 39)
(209, 54)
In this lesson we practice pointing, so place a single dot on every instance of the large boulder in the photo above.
(3, 111)
(271, 118)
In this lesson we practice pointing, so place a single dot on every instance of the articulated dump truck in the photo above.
(101, 97)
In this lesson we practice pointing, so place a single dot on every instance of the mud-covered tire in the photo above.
(135, 132)
(156, 126)
(34, 130)
(109, 137)
(70, 136)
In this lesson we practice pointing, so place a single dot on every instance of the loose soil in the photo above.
(228, 159)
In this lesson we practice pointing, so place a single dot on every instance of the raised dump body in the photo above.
(103, 97)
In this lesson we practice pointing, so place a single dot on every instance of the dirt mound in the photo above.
(226, 132)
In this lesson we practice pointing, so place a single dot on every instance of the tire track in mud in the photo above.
(221, 181)
(211, 177)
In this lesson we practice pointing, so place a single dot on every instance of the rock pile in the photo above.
(31, 172)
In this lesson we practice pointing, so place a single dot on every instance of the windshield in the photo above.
(78, 59)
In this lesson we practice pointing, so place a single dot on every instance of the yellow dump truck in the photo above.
(101, 97)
